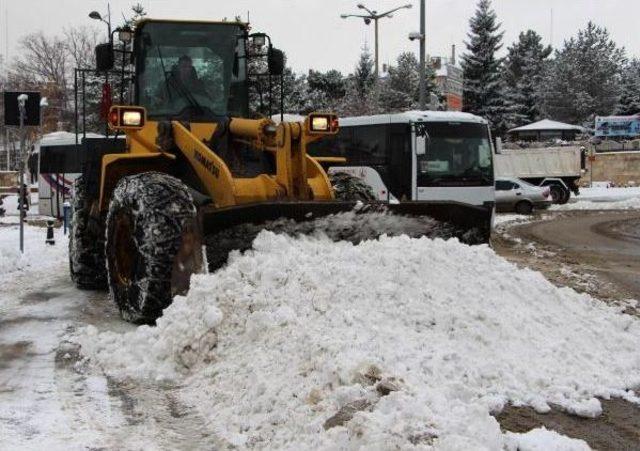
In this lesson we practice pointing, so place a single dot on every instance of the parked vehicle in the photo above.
(516, 195)
(417, 155)
(558, 168)
(59, 164)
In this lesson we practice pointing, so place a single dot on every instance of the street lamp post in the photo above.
(421, 36)
(97, 16)
(374, 16)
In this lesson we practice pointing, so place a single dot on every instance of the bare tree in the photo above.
(80, 43)
(43, 64)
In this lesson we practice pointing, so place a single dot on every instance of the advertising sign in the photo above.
(618, 126)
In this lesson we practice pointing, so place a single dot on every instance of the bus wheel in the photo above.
(86, 243)
(349, 188)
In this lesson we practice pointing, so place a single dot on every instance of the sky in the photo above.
(314, 36)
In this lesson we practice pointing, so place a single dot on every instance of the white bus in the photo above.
(59, 164)
(417, 155)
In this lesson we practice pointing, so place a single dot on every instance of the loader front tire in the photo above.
(153, 244)
(350, 188)
(86, 243)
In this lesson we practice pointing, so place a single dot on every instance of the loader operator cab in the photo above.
(190, 70)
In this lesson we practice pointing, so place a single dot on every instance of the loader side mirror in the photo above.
(104, 57)
(276, 61)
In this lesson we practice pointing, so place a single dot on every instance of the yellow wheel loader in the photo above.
(194, 168)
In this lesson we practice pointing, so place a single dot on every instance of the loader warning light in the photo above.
(323, 123)
(126, 117)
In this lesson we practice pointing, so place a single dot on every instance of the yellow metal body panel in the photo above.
(117, 165)
(298, 176)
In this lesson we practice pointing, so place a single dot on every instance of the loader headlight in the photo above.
(131, 118)
(323, 123)
(319, 124)
(126, 117)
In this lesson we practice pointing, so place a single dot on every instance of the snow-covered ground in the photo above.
(303, 343)
(601, 198)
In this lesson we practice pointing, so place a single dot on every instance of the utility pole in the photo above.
(423, 69)
(22, 192)
(374, 16)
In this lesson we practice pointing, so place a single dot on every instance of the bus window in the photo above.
(334, 146)
(59, 159)
(459, 154)
(370, 143)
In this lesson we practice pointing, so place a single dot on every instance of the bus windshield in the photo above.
(458, 154)
(191, 68)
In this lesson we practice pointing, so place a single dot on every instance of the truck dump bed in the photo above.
(539, 163)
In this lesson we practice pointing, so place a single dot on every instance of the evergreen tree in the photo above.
(483, 84)
(362, 89)
(630, 89)
(584, 79)
(401, 90)
(523, 72)
(325, 90)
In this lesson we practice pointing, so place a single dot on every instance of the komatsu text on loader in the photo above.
(194, 166)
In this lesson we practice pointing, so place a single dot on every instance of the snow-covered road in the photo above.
(415, 341)
(47, 399)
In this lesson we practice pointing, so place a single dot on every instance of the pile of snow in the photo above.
(602, 198)
(632, 203)
(305, 343)
(37, 254)
(541, 439)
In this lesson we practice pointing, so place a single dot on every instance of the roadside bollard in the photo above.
(66, 211)
(50, 240)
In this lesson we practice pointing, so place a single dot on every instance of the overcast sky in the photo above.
(313, 35)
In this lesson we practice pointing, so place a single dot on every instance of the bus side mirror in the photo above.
(498, 145)
(276, 61)
(422, 143)
(104, 57)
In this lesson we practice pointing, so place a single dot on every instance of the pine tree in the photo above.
(363, 92)
(401, 90)
(523, 71)
(483, 84)
(630, 89)
(325, 90)
(584, 79)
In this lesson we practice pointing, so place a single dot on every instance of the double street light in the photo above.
(374, 16)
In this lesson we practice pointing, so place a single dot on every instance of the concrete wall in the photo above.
(620, 167)
(8, 178)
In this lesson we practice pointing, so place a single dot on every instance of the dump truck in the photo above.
(197, 171)
(558, 168)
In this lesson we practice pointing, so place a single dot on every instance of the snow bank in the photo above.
(543, 440)
(37, 255)
(626, 204)
(603, 199)
(304, 343)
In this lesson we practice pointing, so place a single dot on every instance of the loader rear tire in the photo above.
(153, 244)
(86, 243)
(351, 188)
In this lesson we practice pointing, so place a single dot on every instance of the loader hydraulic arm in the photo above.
(298, 176)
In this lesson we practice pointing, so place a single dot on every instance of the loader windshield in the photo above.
(458, 154)
(191, 71)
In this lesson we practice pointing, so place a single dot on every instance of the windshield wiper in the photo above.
(184, 92)
(164, 72)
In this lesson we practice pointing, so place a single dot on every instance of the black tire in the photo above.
(86, 243)
(559, 194)
(153, 244)
(350, 188)
(524, 207)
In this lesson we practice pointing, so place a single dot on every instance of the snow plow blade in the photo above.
(235, 228)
